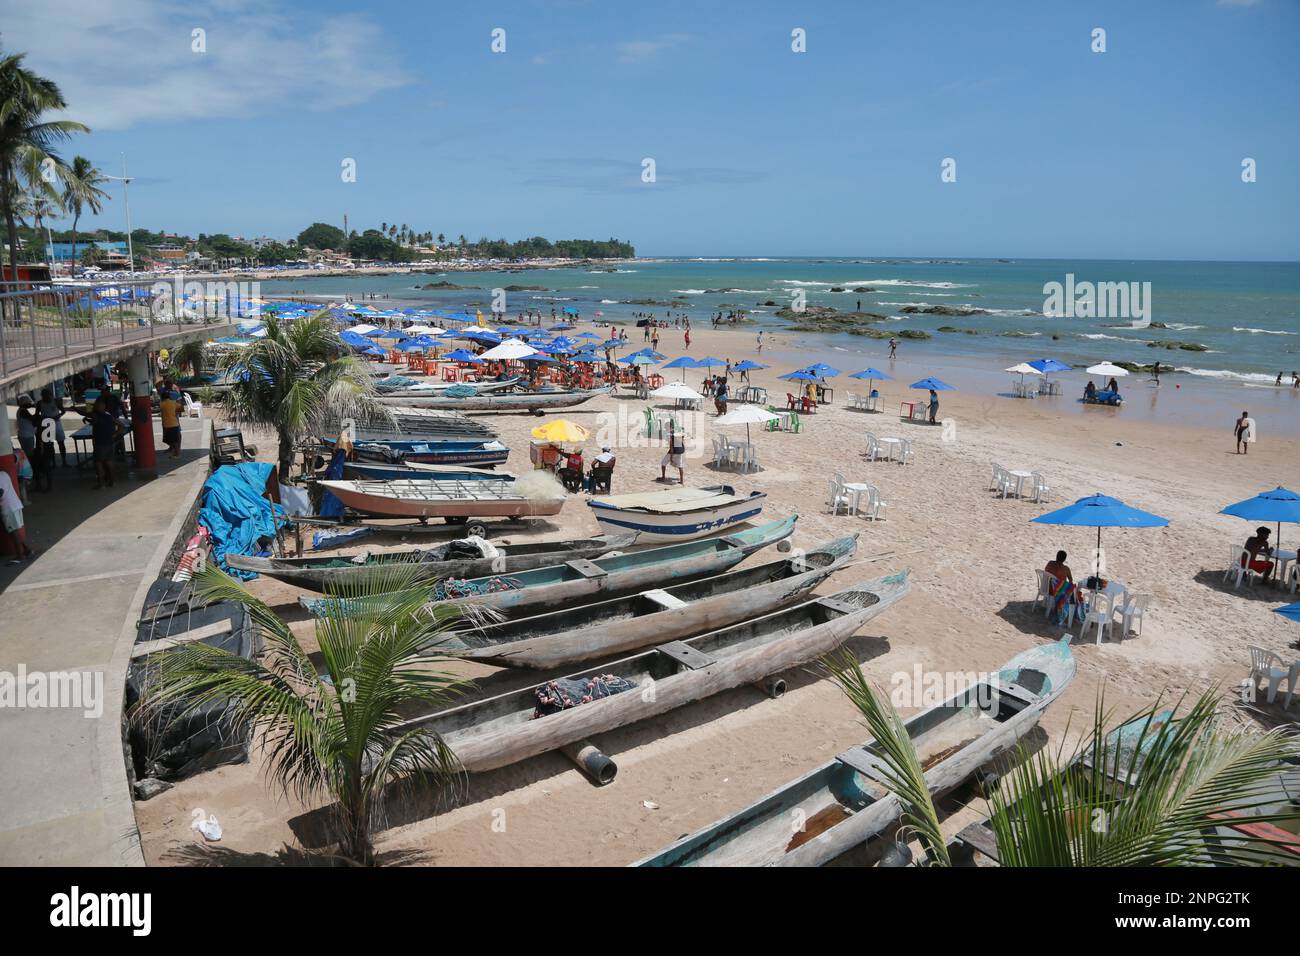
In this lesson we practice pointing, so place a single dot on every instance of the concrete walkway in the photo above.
(64, 798)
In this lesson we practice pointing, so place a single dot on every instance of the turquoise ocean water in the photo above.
(1246, 314)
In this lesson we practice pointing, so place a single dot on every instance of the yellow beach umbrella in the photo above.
(561, 431)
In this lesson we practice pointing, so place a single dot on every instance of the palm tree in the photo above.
(188, 356)
(296, 380)
(1182, 773)
(27, 156)
(81, 192)
(337, 732)
(39, 207)
(441, 239)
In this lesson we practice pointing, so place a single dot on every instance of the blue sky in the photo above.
(1061, 152)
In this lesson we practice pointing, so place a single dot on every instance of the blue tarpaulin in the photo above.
(330, 506)
(235, 513)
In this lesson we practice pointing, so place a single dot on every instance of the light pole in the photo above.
(125, 180)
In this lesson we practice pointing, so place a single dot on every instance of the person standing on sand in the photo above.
(1245, 432)
(760, 340)
(676, 451)
(934, 406)
(893, 347)
(1155, 370)
(687, 339)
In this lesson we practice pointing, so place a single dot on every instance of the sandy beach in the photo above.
(972, 557)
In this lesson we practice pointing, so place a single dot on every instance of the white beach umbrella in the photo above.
(746, 415)
(425, 330)
(362, 329)
(677, 391)
(509, 349)
(1106, 368)
(1024, 368)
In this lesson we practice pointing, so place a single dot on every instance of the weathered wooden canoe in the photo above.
(430, 424)
(328, 573)
(441, 499)
(581, 581)
(393, 451)
(502, 730)
(415, 471)
(843, 803)
(570, 636)
(423, 389)
(510, 402)
(676, 515)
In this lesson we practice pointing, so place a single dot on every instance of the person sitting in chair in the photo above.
(1256, 545)
(602, 471)
(1064, 595)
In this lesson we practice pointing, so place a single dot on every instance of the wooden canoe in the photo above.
(843, 803)
(676, 515)
(581, 581)
(428, 388)
(501, 730)
(441, 499)
(431, 452)
(415, 471)
(328, 573)
(570, 636)
(510, 402)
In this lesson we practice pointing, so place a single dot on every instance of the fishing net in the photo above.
(465, 587)
(568, 692)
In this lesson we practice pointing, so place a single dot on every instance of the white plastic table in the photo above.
(1283, 559)
(1021, 477)
(891, 444)
(857, 489)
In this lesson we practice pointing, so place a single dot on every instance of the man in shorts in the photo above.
(1257, 545)
(169, 409)
(676, 451)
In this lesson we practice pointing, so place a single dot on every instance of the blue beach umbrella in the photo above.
(1046, 365)
(638, 358)
(709, 362)
(587, 335)
(1278, 505)
(748, 366)
(561, 327)
(461, 355)
(800, 375)
(1099, 511)
(684, 362)
(934, 383)
(1290, 611)
(871, 374)
(822, 369)
(587, 358)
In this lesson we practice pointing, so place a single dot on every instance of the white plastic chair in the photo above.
(720, 452)
(1041, 488)
(906, 453)
(995, 482)
(1101, 614)
(1293, 577)
(839, 498)
(1239, 565)
(1267, 665)
(1044, 592)
(193, 407)
(1133, 611)
(874, 450)
(875, 504)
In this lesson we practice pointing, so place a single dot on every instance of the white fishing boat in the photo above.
(455, 501)
(677, 515)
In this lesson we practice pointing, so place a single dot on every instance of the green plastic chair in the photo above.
(649, 422)
(772, 424)
(796, 426)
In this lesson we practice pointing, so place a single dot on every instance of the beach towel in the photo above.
(236, 515)
(1063, 595)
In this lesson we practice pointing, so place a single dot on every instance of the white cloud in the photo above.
(125, 62)
(635, 51)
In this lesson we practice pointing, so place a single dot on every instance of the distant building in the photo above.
(62, 251)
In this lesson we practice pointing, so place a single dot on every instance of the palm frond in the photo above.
(902, 767)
